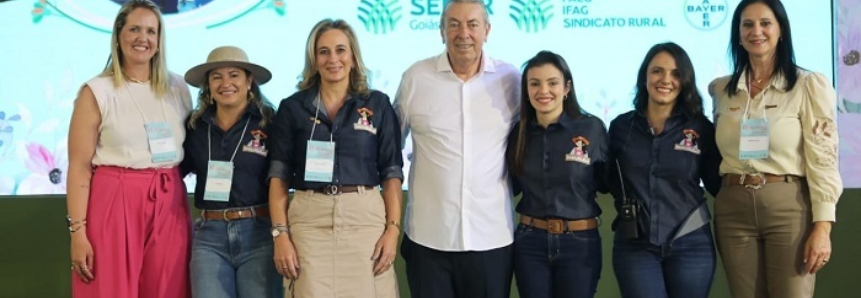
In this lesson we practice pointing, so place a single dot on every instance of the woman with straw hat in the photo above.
(227, 142)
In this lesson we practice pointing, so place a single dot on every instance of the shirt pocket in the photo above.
(358, 145)
(676, 164)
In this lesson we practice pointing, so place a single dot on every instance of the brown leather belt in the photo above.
(235, 213)
(332, 189)
(757, 181)
(558, 226)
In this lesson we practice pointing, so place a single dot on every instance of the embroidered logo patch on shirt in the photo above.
(578, 153)
(689, 143)
(256, 145)
(364, 122)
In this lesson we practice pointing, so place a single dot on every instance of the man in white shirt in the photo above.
(459, 107)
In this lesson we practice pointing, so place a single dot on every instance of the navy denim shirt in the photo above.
(251, 165)
(563, 168)
(362, 157)
(664, 171)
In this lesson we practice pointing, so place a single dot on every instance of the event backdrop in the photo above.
(50, 47)
(849, 90)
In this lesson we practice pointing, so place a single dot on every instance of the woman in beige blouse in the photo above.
(777, 134)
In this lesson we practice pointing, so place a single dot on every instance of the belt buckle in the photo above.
(224, 214)
(754, 186)
(555, 226)
(331, 190)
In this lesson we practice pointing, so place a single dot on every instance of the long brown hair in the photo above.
(570, 105)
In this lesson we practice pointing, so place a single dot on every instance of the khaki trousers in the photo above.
(335, 238)
(761, 236)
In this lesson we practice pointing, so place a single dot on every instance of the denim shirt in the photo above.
(663, 172)
(563, 168)
(250, 164)
(365, 131)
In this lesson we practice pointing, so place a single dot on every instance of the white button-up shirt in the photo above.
(460, 197)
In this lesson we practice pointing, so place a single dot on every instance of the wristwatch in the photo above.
(279, 230)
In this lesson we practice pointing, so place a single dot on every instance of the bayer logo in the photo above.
(706, 15)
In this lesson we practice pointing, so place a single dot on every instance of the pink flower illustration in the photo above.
(848, 48)
(47, 169)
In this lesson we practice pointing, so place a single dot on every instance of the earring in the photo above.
(250, 95)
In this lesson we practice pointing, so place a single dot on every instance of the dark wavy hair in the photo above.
(570, 106)
(689, 99)
(784, 60)
(254, 96)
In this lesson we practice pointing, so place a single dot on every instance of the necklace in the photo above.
(133, 79)
(137, 81)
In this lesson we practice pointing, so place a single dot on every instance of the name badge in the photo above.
(319, 161)
(161, 143)
(219, 178)
(754, 139)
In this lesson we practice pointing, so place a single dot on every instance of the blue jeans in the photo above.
(683, 269)
(556, 265)
(234, 259)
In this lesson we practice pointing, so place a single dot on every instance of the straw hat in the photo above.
(223, 57)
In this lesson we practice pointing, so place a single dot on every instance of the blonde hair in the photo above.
(254, 96)
(310, 75)
(159, 76)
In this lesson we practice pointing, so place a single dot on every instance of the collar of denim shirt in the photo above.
(209, 115)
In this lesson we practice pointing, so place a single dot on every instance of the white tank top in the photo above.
(122, 136)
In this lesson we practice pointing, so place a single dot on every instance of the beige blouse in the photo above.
(802, 133)
(122, 135)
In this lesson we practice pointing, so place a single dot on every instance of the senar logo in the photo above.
(379, 16)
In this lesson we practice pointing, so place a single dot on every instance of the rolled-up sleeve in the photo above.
(820, 146)
(390, 161)
(281, 143)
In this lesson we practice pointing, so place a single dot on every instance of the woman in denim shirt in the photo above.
(231, 255)
(663, 245)
(557, 156)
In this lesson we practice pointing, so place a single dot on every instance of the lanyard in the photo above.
(134, 101)
(209, 140)
(749, 98)
(316, 119)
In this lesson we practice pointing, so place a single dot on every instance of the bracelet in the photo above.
(74, 227)
(72, 223)
(394, 224)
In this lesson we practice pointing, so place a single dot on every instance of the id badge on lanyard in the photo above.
(754, 139)
(319, 161)
(161, 143)
(754, 134)
(159, 135)
(219, 180)
(219, 174)
(319, 155)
